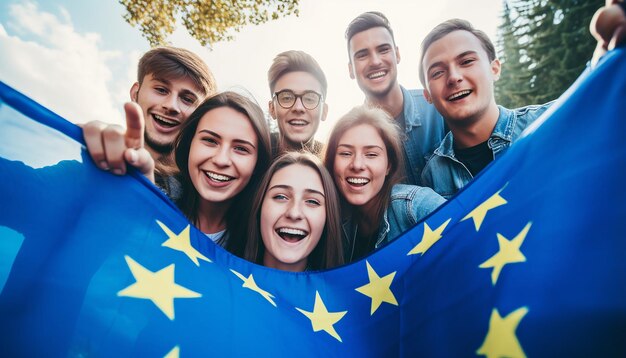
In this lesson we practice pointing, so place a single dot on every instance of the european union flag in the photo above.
(528, 260)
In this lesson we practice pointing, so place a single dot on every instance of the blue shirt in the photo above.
(424, 129)
(408, 205)
(446, 174)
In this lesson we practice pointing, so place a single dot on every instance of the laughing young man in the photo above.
(373, 62)
(298, 87)
(458, 70)
(171, 83)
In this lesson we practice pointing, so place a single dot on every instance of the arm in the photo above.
(112, 148)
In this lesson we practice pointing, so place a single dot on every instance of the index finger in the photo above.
(134, 125)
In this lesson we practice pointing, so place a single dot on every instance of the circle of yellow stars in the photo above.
(161, 289)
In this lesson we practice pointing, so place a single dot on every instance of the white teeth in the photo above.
(298, 122)
(290, 231)
(376, 75)
(218, 177)
(358, 180)
(459, 94)
(165, 120)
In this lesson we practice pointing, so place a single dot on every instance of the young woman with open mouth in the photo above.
(297, 222)
(364, 153)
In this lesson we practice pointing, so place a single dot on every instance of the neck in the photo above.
(470, 132)
(212, 216)
(392, 102)
(289, 146)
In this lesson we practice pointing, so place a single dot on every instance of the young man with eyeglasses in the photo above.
(298, 87)
(373, 60)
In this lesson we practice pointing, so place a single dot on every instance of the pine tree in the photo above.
(555, 46)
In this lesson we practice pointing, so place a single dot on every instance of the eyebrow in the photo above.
(366, 147)
(461, 55)
(220, 137)
(288, 187)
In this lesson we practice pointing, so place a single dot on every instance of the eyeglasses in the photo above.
(287, 98)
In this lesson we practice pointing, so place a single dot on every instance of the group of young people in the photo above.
(287, 201)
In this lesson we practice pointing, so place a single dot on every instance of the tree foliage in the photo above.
(544, 45)
(209, 21)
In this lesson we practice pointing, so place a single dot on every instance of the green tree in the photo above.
(209, 21)
(553, 43)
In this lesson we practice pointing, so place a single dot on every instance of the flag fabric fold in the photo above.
(527, 260)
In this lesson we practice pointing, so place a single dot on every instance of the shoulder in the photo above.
(417, 194)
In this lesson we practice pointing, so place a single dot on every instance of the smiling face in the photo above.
(222, 155)
(459, 78)
(293, 216)
(166, 104)
(361, 164)
(298, 124)
(373, 61)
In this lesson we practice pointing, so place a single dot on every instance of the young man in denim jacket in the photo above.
(458, 69)
(373, 60)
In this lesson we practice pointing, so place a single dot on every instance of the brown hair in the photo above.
(366, 21)
(294, 61)
(389, 133)
(168, 62)
(444, 29)
(328, 252)
(190, 199)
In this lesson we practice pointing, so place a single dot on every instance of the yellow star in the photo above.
(378, 289)
(509, 253)
(501, 340)
(174, 353)
(429, 238)
(182, 243)
(479, 213)
(159, 287)
(321, 319)
(251, 284)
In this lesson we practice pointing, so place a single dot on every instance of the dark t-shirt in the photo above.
(475, 158)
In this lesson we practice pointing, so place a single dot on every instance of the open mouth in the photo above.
(298, 122)
(376, 75)
(290, 234)
(459, 95)
(165, 122)
(220, 178)
(357, 181)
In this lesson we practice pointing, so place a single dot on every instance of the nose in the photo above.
(294, 212)
(171, 105)
(454, 76)
(376, 59)
(298, 105)
(357, 163)
(222, 157)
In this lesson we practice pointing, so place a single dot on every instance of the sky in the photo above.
(79, 58)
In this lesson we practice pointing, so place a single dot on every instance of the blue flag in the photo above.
(527, 260)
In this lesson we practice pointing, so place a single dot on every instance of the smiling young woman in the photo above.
(296, 226)
(222, 152)
(364, 153)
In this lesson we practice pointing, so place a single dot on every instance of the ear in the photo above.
(429, 99)
(134, 92)
(496, 69)
(271, 109)
(350, 70)
(324, 112)
(397, 55)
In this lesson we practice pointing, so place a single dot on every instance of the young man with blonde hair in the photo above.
(171, 83)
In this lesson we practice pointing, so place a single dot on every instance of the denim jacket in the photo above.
(424, 130)
(446, 174)
(408, 205)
